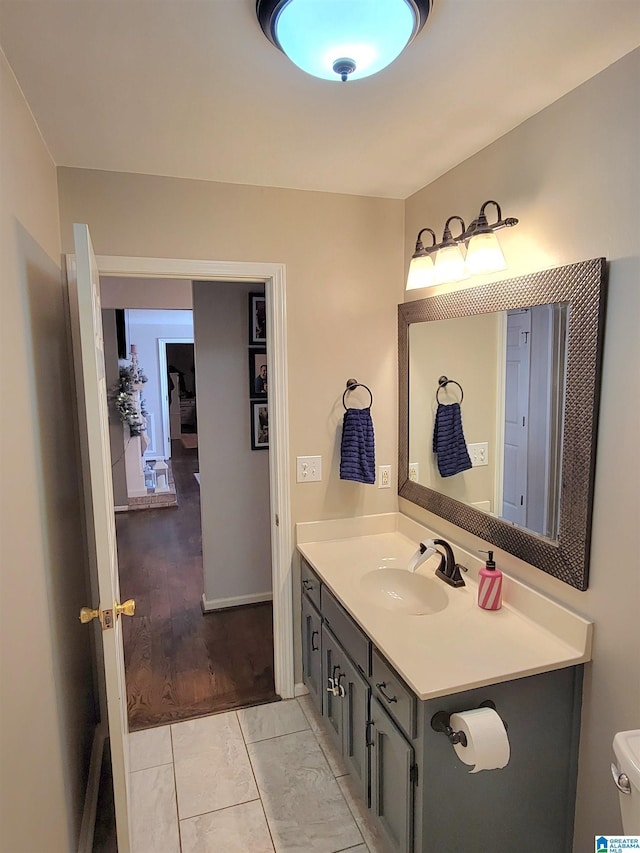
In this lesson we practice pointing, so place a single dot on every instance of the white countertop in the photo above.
(455, 649)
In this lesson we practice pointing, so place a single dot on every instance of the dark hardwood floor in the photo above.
(181, 663)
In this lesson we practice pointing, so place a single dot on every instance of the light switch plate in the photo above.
(308, 469)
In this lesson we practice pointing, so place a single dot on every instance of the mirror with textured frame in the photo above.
(570, 301)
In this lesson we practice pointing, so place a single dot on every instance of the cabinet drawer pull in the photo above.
(381, 687)
(368, 741)
(307, 585)
(314, 648)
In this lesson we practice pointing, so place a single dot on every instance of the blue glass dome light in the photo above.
(342, 39)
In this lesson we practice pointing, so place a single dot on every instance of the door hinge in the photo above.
(277, 520)
(413, 774)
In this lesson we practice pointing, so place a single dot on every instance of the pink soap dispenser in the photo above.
(490, 585)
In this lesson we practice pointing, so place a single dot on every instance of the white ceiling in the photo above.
(193, 89)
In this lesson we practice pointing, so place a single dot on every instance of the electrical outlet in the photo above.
(384, 477)
(414, 471)
(308, 469)
(479, 453)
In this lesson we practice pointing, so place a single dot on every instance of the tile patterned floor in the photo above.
(258, 780)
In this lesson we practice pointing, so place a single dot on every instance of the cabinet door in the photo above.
(333, 659)
(355, 713)
(311, 652)
(392, 779)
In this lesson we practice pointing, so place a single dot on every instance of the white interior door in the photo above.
(86, 319)
(514, 507)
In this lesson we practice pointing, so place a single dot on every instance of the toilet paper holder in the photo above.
(440, 722)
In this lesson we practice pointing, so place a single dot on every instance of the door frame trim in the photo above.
(274, 279)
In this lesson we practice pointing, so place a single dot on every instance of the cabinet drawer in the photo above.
(310, 583)
(394, 695)
(353, 640)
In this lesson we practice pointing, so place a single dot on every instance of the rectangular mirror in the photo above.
(522, 357)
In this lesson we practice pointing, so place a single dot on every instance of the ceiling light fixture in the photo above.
(342, 39)
(483, 254)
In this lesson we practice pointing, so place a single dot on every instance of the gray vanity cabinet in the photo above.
(392, 779)
(312, 652)
(421, 794)
(346, 709)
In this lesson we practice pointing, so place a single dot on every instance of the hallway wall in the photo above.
(571, 175)
(47, 694)
(234, 491)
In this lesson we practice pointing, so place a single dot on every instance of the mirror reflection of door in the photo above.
(516, 427)
(534, 402)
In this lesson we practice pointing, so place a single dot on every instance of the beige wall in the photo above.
(126, 292)
(234, 492)
(464, 349)
(46, 676)
(343, 257)
(570, 174)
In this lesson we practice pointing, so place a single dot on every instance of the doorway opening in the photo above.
(272, 277)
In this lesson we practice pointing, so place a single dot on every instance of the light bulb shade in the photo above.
(484, 254)
(315, 34)
(421, 273)
(449, 265)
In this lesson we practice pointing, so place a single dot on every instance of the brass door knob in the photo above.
(87, 614)
(127, 608)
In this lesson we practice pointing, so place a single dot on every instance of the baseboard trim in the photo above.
(122, 508)
(87, 827)
(300, 689)
(211, 604)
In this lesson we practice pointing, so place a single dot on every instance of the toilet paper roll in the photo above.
(487, 742)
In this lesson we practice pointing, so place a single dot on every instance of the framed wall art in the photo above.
(259, 426)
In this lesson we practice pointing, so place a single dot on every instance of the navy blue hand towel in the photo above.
(357, 451)
(448, 441)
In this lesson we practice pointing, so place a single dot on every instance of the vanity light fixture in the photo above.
(483, 253)
(449, 265)
(421, 269)
(483, 249)
(342, 39)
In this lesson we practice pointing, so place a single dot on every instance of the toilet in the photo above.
(626, 775)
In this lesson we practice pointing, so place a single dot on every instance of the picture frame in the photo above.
(257, 319)
(259, 425)
(258, 373)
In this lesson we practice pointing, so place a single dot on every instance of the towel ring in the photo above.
(352, 384)
(443, 382)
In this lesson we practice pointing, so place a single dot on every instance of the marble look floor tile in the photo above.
(305, 809)
(272, 720)
(211, 765)
(238, 829)
(154, 818)
(371, 833)
(326, 744)
(150, 748)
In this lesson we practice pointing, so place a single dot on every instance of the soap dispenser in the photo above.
(490, 585)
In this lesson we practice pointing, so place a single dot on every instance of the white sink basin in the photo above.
(404, 591)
